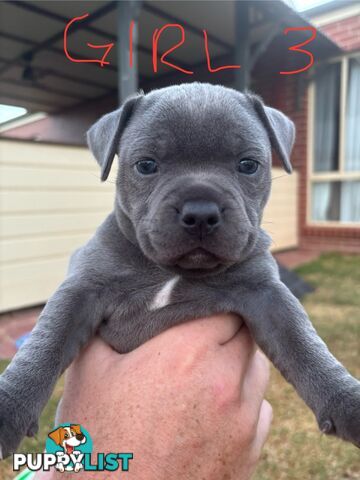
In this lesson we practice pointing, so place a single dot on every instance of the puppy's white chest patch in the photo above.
(163, 296)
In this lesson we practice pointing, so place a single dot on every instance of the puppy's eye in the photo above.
(66, 435)
(146, 166)
(247, 166)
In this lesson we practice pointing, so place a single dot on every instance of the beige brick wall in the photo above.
(51, 201)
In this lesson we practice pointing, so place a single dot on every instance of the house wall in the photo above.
(345, 32)
(290, 95)
(343, 27)
(52, 201)
(280, 215)
(322, 238)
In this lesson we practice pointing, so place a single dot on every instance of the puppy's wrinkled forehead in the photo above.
(199, 121)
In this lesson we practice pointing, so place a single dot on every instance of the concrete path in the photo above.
(13, 326)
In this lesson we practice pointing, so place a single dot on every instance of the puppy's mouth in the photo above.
(69, 449)
(198, 259)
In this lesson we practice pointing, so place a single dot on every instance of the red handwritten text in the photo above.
(107, 46)
(163, 57)
(296, 48)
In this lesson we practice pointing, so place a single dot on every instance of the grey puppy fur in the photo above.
(184, 241)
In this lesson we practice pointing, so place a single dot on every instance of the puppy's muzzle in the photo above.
(200, 218)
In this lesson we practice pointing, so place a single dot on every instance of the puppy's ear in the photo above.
(280, 128)
(76, 428)
(104, 136)
(55, 435)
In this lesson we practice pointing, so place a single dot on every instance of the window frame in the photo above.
(341, 174)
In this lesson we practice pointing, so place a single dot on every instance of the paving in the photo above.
(14, 326)
(294, 258)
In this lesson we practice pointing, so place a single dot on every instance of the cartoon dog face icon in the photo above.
(68, 438)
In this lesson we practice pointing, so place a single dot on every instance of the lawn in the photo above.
(295, 449)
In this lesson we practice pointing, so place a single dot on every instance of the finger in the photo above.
(97, 346)
(235, 355)
(263, 427)
(217, 329)
(96, 352)
(255, 382)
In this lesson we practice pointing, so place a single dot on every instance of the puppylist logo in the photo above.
(68, 449)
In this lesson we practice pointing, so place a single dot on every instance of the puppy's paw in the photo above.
(16, 422)
(78, 467)
(342, 415)
(60, 467)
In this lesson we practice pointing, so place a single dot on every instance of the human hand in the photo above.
(188, 403)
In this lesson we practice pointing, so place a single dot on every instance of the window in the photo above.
(335, 156)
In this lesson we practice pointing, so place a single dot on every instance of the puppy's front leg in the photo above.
(282, 329)
(65, 325)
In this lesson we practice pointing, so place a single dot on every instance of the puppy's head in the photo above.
(68, 437)
(194, 171)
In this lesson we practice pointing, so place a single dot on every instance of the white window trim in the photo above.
(336, 16)
(340, 175)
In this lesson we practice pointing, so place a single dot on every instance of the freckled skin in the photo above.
(197, 134)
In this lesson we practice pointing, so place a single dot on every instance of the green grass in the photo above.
(295, 449)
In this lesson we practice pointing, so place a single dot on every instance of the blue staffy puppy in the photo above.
(184, 241)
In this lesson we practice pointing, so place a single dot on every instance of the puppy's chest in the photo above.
(147, 297)
(164, 294)
(145, 309)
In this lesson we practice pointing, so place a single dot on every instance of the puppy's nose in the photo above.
(79, 436)
(200, 217)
